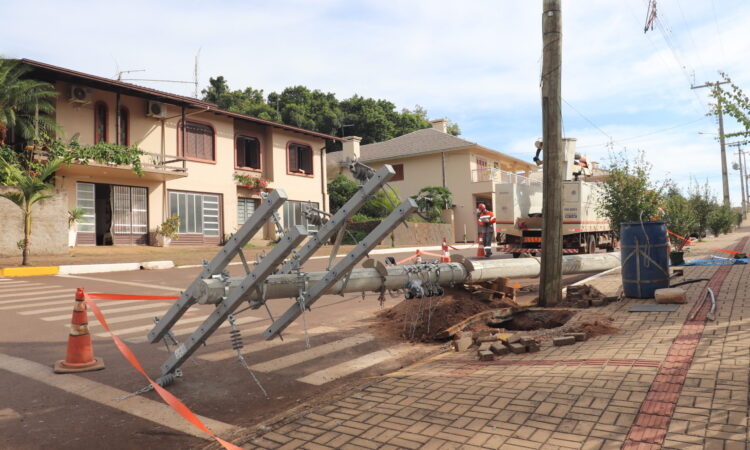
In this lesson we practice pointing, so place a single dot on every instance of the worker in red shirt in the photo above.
(486, 224)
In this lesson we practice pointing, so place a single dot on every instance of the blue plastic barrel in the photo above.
(644, 258)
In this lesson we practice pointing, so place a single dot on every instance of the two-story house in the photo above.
(192, 151)
(432, 157)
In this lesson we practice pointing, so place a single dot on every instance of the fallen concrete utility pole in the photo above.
(211, 291)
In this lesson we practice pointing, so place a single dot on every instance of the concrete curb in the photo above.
(80, 269)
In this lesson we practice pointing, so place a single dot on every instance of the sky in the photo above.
(477, 63)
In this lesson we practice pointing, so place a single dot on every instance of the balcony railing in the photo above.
(501, 176)
(165, 163)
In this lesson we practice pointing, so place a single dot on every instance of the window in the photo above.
(199, 213)
(293, 214)
(245, 209)
(100, 122)
(300, 159)
(399, 168)
(86, 200)
(199, 141)
(124, 126)
(248, 153)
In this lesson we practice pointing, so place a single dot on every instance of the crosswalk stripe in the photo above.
(263, 345)
(29, 304)
(312, 353)
(183, 331)
(45, 290)
(31, 301)
(23, 283)
(94, 323)
(68, 308)
(149, 305)
(355, 365)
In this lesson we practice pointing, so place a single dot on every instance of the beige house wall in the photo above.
(161, 137)
(427, 170)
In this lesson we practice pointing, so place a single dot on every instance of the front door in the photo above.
(129, 215)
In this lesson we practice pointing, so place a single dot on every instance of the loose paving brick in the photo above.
(664, 381)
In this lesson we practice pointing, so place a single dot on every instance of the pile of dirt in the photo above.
(596, 327)
(535, 320)
(423, 320)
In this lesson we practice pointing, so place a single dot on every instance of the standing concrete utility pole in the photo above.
(743, 174)
(724, 174)
(550, 283)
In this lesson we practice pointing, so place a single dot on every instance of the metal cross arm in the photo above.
(338, 220)
(343, 267)
(234, 245)
(232, 301)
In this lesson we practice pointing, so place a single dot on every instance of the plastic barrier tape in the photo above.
(170, 399)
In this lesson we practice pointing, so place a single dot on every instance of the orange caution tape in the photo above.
(170, 399)
(131, 297)
(687, 240)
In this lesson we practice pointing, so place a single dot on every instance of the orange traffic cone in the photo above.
(418, 259)
(480, 247)
(80, 355)
(446, 254)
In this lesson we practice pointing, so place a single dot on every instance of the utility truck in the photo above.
(518, 210)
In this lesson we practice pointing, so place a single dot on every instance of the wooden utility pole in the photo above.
(550, 283)
(724, 173)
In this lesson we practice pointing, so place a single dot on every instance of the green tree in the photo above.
(32, 187)
(702, 202)
(26, 105)
(627, 193)
(340, 190)
(721, 220)
(734, 103)
(432, 201)
(680, 217)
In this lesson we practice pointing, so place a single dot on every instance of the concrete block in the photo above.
(598, 302)
(155, 265)
(563, 340)
(499, 349)
(670, 295)
(98, 268)
(462, 344)
(485, 338)
(484, 346)
(486, 355)
(579, 336)
(533, 347)
(517, 348)
(525, 340)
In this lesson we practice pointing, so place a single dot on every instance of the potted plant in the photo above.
(168, 231)
(74, 216)
(252, 183)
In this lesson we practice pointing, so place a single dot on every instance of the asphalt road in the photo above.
(42, 410)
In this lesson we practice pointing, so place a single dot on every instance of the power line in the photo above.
(651, 133)
(587, 119)
(718, 30)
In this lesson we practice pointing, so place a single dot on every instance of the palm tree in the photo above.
(32, 187)
(26, 105)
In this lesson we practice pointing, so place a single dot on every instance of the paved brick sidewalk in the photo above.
(665, 380)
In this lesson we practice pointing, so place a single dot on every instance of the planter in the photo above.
(161, 241)
(677, 258)
(72, 236)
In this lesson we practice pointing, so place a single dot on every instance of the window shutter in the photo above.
(293, 158)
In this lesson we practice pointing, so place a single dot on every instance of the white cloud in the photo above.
(477, 63)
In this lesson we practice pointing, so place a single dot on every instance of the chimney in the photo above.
(440, 124)
(350, 148)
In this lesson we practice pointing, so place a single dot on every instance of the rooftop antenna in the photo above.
(195, 74)
(120, 72)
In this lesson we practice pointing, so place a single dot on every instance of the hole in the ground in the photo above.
(535, 320)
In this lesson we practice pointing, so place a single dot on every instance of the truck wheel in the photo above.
(591, 245)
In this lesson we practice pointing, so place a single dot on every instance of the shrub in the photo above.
(680, 218)
(627, 193)
(721, 220)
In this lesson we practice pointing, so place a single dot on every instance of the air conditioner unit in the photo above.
(156, 109)
(79, 94)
